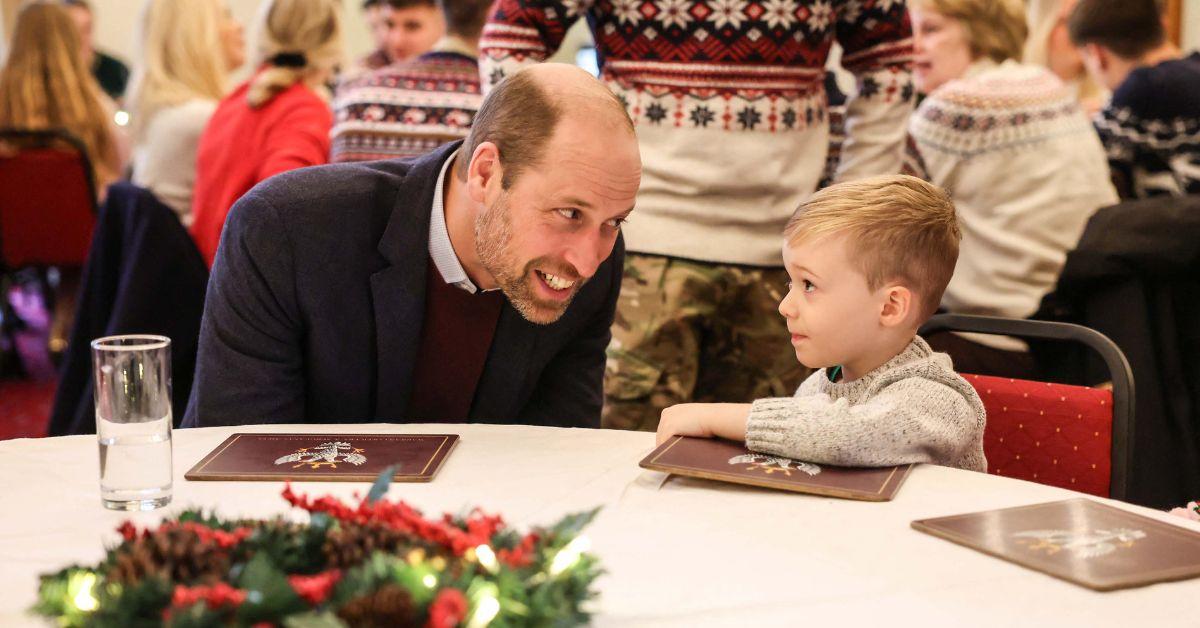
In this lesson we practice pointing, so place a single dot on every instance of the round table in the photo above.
(678, 552)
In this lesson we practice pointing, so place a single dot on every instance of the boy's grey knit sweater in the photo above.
(914, 408)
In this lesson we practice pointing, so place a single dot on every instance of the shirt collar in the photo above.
(440, 248)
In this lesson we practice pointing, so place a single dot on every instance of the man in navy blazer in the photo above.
(476, 283)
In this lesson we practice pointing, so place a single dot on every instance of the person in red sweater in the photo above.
(279, 120)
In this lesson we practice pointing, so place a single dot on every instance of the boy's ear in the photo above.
(898, 303)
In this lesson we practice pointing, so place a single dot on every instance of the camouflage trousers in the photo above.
(692, 331)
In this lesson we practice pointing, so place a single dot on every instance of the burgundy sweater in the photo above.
(455, 339)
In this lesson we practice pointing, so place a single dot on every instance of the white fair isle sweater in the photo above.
(729, 103)
(914, 408)
(1025, 169)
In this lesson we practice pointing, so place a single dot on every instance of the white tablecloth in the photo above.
(678, 552)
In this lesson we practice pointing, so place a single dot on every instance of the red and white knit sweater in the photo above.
(406, 109)
(729, 103)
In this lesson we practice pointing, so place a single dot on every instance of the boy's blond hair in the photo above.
(899, 228)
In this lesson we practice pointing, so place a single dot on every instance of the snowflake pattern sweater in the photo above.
(729, 102)
(1151, 130)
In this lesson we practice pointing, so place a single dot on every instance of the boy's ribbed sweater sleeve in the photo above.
(911, 420)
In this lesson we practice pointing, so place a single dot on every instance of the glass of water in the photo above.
(133, 420)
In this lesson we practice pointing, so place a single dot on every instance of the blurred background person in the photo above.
(1018, 155)
(1049, 45)
(276, 121)
(377, 26)
(411, 107)
(44, 84)
(188, 49)
(413, 27)
(401, 30)
(110, 72)
(1151, 126)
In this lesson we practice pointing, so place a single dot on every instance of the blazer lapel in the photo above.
(398, 290)
(503, 379)
(399, 298)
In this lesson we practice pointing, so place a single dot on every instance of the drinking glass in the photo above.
(133, 420)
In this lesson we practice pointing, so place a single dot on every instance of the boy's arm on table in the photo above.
(724, 420)
(913, 420)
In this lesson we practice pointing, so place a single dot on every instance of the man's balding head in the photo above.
(522, 113)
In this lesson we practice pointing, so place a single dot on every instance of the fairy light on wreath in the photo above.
(84, 599)
(487, 606)
(487, 558)
(569, 555)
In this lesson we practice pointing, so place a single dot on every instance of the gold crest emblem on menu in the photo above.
(328, 454)
(1081, 543)
(774, 464)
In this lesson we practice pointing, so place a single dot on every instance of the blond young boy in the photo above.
(868, 261)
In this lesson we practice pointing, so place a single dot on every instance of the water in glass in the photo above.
(135, 462)
(132, 376)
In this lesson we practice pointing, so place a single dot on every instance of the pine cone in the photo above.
(351, 544)
(175, 554)
(133, 563)
(389, 605)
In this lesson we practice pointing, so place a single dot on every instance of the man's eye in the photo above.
(616, 223)
(569, 213)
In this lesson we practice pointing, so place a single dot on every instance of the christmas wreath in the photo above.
(380, 563)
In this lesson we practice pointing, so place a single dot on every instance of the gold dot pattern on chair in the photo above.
(1051, 433)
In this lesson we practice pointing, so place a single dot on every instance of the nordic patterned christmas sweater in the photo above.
(729, 103)
(1151, 130)
(1026, 171)
(406, 109)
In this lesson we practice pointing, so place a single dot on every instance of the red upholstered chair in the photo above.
(47, 199)
(47, 214)
(1073, 437)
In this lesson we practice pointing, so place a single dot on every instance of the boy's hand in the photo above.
(727, 420)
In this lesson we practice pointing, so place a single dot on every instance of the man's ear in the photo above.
(1095, 60)
(898, 304)
(1100, 55)
(484, 172)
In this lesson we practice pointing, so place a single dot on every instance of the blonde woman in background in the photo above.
(188, 49)
(44, 84)
(1021, 160)
(278, 120)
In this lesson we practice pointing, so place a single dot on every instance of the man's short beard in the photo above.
(493, 239)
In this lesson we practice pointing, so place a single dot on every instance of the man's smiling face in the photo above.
(548, 232)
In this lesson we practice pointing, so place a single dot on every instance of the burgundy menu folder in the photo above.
(728, 461)
(1078, 540)
(325, 457)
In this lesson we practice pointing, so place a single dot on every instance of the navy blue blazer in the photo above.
(314, 310)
